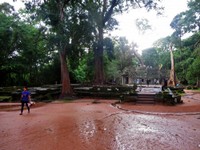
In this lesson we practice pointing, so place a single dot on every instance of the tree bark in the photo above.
(65, 80)
(172, 79)
(98, 58)
(98, 51)
(198, 82)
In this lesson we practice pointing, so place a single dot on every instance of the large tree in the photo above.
(124, 61)
(22, 49)
(167, 44)
(187, 21)
(67, 24)
(101, 16)
(150, 57)
(192, 45)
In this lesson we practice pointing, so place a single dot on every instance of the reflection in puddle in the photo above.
(120, 145)
(146, 124)
(147, 132)
(87, 130)
(145, 129)
(137, 129)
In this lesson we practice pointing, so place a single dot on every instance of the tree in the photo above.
(187, 21)
(172, 78)
(101, 13)
(62, 15)
(183, 60)
(80, 73)
(23, 50)
(143, 25)
(193, 73)
(7, 9)
(7, 24)
(166, 45)
(193, 46)
(123, 62)
(150, 57)
(58, 25)
(66, 23)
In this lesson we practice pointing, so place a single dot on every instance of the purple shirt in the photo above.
(25, 96)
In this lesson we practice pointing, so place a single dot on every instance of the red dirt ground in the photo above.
(83, 125)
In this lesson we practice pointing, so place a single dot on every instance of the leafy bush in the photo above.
(168, 99)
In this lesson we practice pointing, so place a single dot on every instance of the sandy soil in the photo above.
(83, 125)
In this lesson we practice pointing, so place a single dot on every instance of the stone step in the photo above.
(145, 99)
(146, 95)
(145, 102)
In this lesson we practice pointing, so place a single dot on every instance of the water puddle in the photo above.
(87, 130)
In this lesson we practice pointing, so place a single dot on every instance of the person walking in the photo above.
(25, 99)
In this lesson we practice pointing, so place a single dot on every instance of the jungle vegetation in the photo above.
(64, 42)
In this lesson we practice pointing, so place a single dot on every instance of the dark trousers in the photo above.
(22, 106)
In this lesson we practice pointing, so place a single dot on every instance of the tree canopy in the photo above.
(66, 41)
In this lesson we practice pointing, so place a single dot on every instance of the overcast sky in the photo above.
(160, 24)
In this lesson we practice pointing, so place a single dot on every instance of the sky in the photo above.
(160, 24)
(127, 28)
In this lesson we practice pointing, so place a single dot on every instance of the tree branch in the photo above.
(138, 3)
(108, 14)
(149, 3)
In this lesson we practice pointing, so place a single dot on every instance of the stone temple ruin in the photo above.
(144, 76)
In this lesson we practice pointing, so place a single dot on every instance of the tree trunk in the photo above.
(103, 18)
(172, 79)
(65, 80)
(198, 82)
(98, 58)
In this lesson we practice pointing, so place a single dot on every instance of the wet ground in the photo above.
(83, 125)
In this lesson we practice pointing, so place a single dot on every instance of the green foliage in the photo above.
(187, 21)
(80, 73)
(109, 48)
(185, 54)
(168, 99)
(182, 61)
(163, 44)
(112, 71)
(192, 42)
(124, 62)
(29, 46)
(150, 57)
(193, 73)
(143, 25)
(50, 73)
(23, 51)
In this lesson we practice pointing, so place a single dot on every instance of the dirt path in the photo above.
(83, 125)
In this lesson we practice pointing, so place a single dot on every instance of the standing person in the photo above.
(25, 99)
